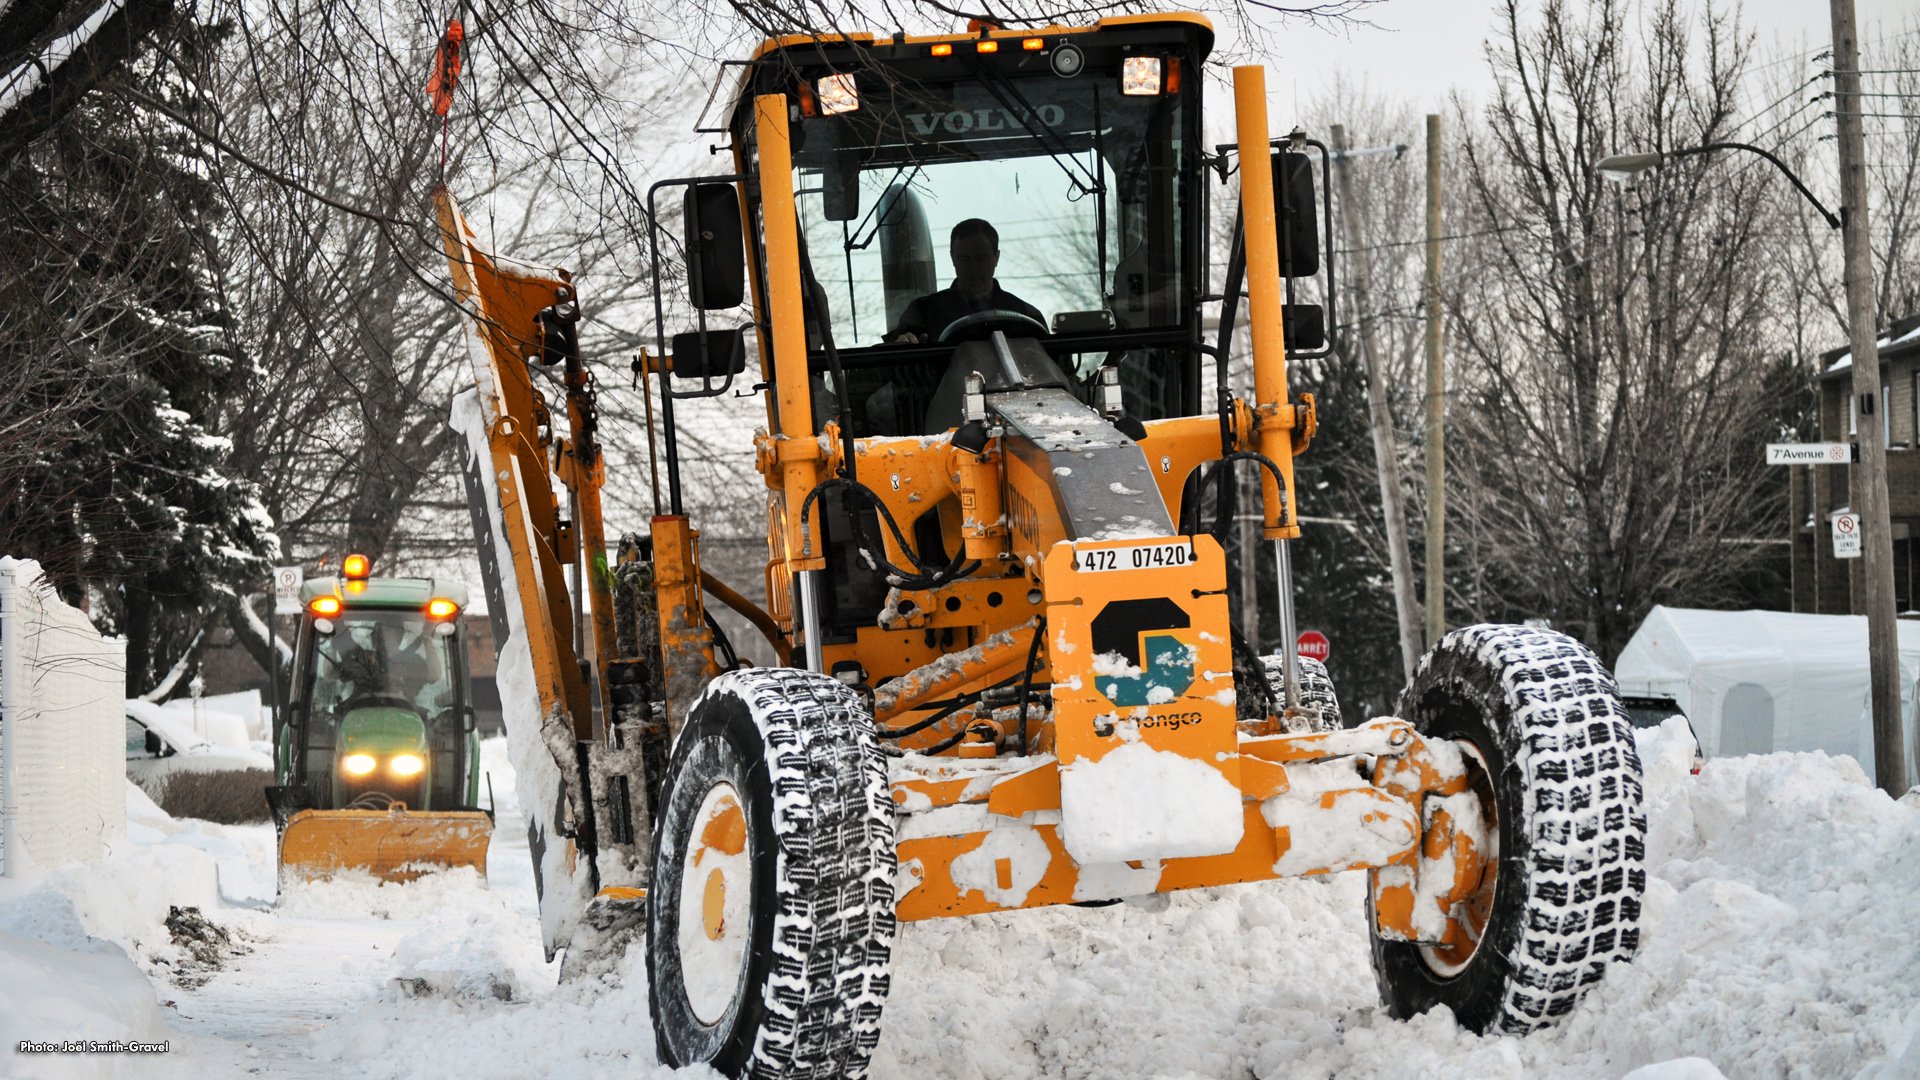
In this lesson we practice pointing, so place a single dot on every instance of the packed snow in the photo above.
(1778, 941)
(1136, 802)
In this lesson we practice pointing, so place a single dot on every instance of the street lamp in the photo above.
(1618, 167)
(1870, 481)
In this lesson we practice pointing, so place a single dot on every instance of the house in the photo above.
(1823, 584)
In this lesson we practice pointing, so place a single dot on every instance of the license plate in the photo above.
(1144, 557)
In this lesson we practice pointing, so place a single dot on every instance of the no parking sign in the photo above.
(1846, 536)
(286, 589)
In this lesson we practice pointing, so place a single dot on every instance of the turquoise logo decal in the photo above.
(1137, 631)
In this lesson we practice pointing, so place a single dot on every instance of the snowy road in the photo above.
(323, 952)
(1778, 942)
(260, 1015)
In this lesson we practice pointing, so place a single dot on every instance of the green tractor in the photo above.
(377, 756)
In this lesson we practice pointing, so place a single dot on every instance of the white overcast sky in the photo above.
(1419, 50)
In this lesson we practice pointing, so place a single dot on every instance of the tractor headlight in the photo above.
(406, 764)
(357, 764)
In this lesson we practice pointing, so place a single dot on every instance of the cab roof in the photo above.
(385, 592)
(814, 49)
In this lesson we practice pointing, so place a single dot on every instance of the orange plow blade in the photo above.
(392, 845)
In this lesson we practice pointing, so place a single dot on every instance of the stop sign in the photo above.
(1314, 645)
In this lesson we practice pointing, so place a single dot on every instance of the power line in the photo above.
(1415, 243)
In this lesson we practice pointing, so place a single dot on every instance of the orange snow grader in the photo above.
(1007, 670)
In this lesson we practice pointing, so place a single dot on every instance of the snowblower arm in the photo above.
(519, 461)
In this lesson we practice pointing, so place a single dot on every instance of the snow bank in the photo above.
(1778, 942)
(125, 898)
(52, 994)
(68, 939)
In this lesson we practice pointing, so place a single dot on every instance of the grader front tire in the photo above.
(770, 919)
(1540, 718)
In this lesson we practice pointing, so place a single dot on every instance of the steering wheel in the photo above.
(982, 323)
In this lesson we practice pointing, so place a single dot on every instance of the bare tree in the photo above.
(1797, 124)
(1617, 345)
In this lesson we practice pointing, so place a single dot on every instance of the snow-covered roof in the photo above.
(1887, 342)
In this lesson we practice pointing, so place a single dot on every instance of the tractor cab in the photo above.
(378, 719)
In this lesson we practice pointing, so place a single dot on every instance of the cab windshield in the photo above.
(1081, 182)
(392, 658)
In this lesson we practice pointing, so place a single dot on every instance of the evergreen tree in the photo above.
(111, 280)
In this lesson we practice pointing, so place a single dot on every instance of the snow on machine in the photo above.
(377, 758)
(1010, 673)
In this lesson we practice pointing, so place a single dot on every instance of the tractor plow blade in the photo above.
(392, 845)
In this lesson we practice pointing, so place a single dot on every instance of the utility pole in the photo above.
(1870, 479)
(1380, 418)
(1436, 597)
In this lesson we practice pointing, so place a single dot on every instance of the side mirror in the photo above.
(1294, 215)
(1303, 327)
(468, 720)
(716, 255)
(716, 354)
(154, 746)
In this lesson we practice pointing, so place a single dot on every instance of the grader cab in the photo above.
(1009, 673)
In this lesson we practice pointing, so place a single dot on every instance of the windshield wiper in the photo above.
(1022, 110)
(877, 215)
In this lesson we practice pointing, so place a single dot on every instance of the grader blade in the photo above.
(614, 919)
(392, 845)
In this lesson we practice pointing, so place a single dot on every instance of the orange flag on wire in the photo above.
(446, 68)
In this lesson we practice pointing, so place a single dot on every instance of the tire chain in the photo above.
(834, 924)
(1585, 817)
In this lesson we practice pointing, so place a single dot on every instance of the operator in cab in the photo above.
(975, 249)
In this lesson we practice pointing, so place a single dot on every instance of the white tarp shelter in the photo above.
(1754, 682)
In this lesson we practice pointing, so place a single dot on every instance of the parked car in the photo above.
(189, 774)
(1653, 710)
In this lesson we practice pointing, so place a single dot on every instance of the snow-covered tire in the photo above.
(799, 753)
(1316, 687)
(1544, 716)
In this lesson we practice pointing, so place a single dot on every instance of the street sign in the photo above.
(1812, 453)
(1314, 645)
(286, 589)
(1846, 536)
